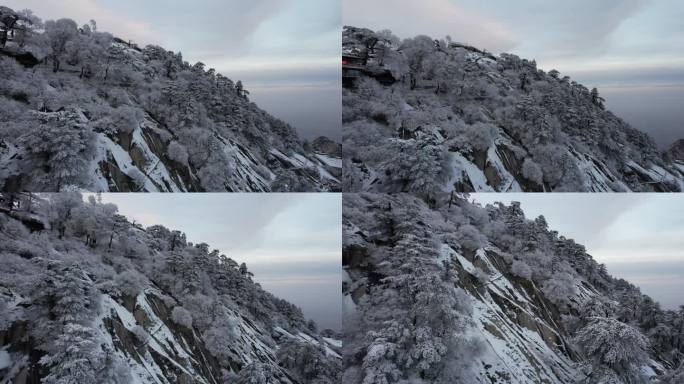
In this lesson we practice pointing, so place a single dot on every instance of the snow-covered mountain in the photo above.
(424, 115)
(676, 153)
(88, 297)
(453, 292)
(81, 109)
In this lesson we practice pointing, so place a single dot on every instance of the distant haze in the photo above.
(286, 52)
(659, 111)
(632, 50)
(640, 237)
(291, 242)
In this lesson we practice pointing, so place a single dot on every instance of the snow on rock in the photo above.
(329, 160)
(334, 342)
(462, 166)
(5, 359)
(297, 160)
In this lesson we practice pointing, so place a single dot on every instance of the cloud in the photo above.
(225, 26)
(553, 28)
(82, 11)
(590, 32)
(436, 18)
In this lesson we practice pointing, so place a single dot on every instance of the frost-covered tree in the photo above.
(531, 171)
(58, 34)
(74, 356)
(181, 316)
(61, 208)
(609, 343)
(257, 373)
(412, 316)
(520, 268)
(64, 149)
(220, 336)
(596, 98)
(177, 152)
(560, 288)
(308, 363)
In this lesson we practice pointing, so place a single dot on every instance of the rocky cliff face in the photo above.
(170, 354)
(452, 292)
(101, 114)
(424, 115)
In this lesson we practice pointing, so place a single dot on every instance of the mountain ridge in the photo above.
(143, 305)
(137, 119)
(424, 115)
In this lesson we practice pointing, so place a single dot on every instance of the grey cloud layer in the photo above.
(563, 27)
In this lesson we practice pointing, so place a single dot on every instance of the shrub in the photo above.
(182, 317)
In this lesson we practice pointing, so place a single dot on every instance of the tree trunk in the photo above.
(11, 202)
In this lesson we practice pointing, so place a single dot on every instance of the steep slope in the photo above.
(93, 112)
(424, 115)
(676, 152)
(454, 292)
(141, 305)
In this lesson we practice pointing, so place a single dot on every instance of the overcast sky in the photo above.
(286, 52)
(640, 237)
(633, 50)
(292, 242)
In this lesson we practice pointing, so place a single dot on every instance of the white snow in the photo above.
(509, 184)
(5, 359)
(477, 178)
(155, 170)
(513, 348)
(245, 167)
(330, 161)
(446, 253)
(348, 306)
(657, 174)
(334, 342)
(406, 107)
(299, 161)
(303, 337)
(466, 264)
(122, 159)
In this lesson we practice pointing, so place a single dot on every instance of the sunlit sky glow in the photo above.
(640, 237)
(265, 43)
(608, 44)
(292, 242)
